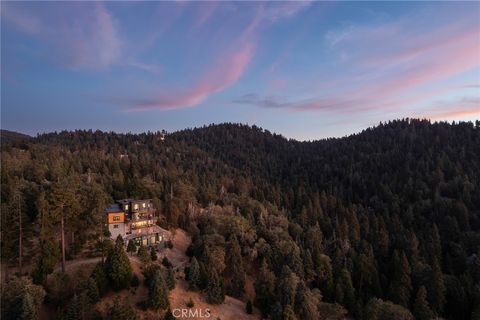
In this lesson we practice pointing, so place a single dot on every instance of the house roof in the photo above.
(113, 208)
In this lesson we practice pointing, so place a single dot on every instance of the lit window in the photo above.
(116, 218)
(143, 204)
(126, 207)
(135, 206)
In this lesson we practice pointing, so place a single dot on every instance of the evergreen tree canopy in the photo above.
(117, 266)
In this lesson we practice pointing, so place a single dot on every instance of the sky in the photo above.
(306, 70)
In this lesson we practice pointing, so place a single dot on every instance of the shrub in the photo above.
(166, 262)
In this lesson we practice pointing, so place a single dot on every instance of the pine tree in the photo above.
(305, 303)
(20, 296)
(119, 241)
(158, 293)
(49, 256)
(170, 279)
(153, 254)
(28, 310)
(166, 262)
(117, 266)
(434, 245)
(421, 308)
(345, 293)
(132, 247)
(324, 274)
(214, 290)
(143, 254)
(73, 310)
(92, 290)
(194, 275)
(100, 278)
(234, 268)
(436, 289)
(401, 286)
(288, 313)
(287, 286)
(121, 310)
(265, 289)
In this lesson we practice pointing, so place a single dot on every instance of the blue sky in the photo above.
(307, 70)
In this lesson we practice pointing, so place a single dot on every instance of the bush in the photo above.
(20, 295)
(153, 254)
(121, 310)
(143, 254)
(135, 281)
(59, 288)
(149, 271)
(166, 262)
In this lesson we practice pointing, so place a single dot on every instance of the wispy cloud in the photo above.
(265, 102)
(228, 66)
(83, 36)
(225, 72)
(284, 9)
(388, 66)
(451, 109)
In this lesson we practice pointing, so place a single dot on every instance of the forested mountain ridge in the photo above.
(7, 136)
(381, 223)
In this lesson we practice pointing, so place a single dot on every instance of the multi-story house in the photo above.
(135, 220)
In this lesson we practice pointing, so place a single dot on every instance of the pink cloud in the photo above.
(229, 66)
(413, 80)
(446, 110)
(225, 72)
(435, 67)
(420, 63)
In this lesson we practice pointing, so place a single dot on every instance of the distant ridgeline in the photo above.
(382, 224)
(7, 136)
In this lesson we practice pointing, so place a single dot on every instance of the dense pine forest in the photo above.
(383, 224)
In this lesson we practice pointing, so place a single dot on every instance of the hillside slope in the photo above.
(371, 224)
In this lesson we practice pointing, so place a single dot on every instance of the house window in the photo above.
(143, 204)
(116, 218)
(135, 206)
(115, 226)
(126, 207)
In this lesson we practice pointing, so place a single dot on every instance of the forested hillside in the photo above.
(384, 224)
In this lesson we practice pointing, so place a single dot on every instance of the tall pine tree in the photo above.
(117, 266)
(215, 291)
(234, 268)
(158, 292)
